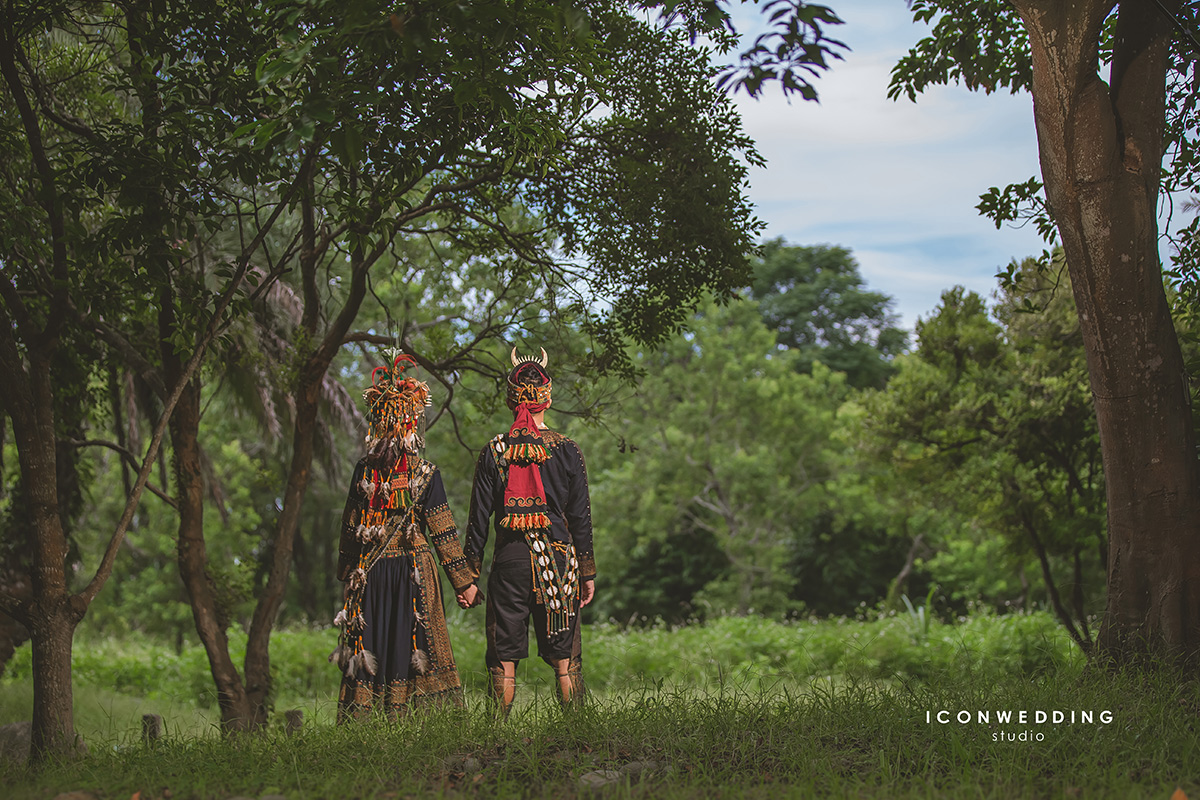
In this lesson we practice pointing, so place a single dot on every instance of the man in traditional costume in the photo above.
(394, 650)
(533, 481)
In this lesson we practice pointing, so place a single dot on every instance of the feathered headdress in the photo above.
(395, 403)
(395, 408)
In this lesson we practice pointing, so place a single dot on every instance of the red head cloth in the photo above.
(525, 497)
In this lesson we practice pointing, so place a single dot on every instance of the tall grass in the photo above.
(735, 707)
(848, 740)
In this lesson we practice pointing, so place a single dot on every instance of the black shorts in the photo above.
(510, 604)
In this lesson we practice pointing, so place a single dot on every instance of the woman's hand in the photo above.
(468, 596)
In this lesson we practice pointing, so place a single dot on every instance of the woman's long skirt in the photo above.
(403, 611)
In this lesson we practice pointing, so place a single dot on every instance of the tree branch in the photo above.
(1047, 576)
(216, 324)
(127, 456)
(50, 199)
(63, 120)
(17, 609)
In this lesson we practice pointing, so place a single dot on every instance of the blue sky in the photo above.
(896, 182)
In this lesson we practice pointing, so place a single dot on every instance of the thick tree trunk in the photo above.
(28, 396)
(237, 713)
(1101, 150)
(51, 622)
(51, 614)
(53, 630)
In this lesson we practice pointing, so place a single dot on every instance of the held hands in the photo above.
(469, 597)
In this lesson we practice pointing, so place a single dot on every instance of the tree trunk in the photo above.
(28, 396)
(1101, 151)
(236, 711)
(898, 583)
(51, 615)
(258, 658)
(50, 625)
(305, 555)
(307, 396)
(52, 632)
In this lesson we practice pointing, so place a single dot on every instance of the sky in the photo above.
(896, 182)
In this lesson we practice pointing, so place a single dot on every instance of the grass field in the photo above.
(734, 708)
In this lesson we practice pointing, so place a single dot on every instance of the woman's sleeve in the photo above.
(443, 535)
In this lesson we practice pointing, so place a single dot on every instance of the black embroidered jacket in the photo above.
(564, 477)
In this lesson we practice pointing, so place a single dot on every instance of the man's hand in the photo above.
(468, 596)
(586, 592)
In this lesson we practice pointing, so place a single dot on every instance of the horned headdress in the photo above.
(525, 507)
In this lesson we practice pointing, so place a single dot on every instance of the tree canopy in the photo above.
(816, 302)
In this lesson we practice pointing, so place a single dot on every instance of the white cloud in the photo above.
(894, 181)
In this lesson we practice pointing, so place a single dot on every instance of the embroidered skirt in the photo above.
(402, 608)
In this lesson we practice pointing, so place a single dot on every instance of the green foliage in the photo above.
(815, 301)
(756, 652)
(725, 444)
(749, 652)
(143, 666)
(979, 43)
(991, 420)
(793, 50)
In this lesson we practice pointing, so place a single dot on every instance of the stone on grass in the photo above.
(466, 764)
(599, 778)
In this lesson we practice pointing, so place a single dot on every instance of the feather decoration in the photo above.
(341, 618)
(369, 662)
(352, 666)
(416, 576)
(420, 661)
(339, 656)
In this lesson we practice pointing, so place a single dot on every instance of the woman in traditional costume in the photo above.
(394, 650)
